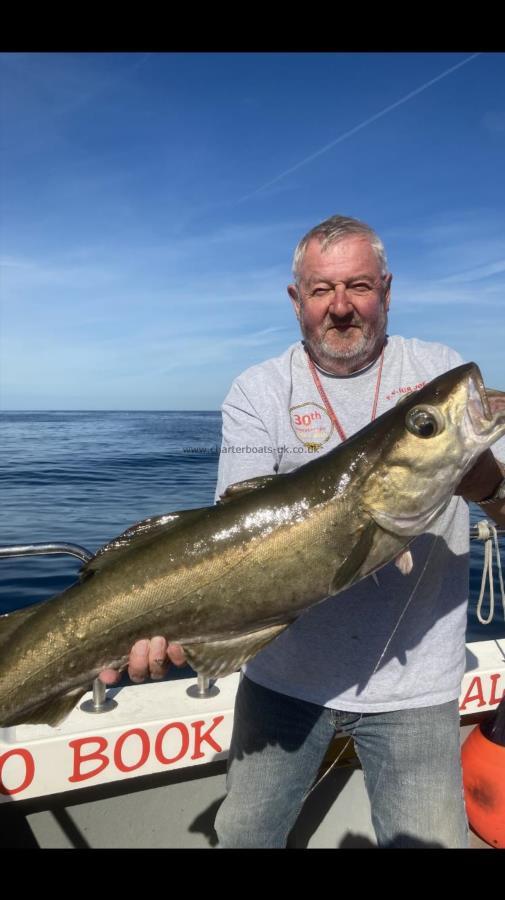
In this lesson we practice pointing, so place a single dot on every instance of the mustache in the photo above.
(350, 319)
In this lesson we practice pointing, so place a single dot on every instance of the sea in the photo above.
(84, 477)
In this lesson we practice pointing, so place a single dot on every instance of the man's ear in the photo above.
(295, 299)
(387, 290)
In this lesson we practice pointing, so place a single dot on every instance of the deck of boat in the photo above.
(177, 810)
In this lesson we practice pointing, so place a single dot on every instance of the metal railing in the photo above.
(46, 549)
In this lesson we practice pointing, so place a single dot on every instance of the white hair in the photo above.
(336, 229)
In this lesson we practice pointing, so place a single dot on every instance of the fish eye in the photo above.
(423, 421)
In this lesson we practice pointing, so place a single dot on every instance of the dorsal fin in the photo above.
(9, 622)
(137, 535)
(245, 487)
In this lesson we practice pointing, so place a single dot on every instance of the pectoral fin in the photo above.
(348, 570)
(221, 657)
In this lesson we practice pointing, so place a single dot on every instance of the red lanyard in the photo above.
(329, 407)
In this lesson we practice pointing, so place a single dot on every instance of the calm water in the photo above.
(83, 477)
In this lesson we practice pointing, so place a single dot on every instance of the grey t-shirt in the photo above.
(401, 642)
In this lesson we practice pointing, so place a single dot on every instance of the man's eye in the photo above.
(361, 287)
(319, 292)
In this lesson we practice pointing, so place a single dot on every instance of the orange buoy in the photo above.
(483, 760)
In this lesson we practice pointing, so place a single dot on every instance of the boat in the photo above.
(144, 766)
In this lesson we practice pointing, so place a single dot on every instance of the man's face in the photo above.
(342, 304)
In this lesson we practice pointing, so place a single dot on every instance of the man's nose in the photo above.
(340, 304)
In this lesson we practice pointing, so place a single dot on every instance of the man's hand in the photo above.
(148, 659)
(482, 479)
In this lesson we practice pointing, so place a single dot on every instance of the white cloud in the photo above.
(477, 274)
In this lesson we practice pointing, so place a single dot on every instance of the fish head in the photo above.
(432, 438)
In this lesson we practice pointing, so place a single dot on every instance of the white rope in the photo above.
(487, 533)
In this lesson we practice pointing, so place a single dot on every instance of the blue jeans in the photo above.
(410, 759)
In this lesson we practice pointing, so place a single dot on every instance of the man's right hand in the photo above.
(148, 659)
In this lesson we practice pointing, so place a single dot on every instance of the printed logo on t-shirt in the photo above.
(311, 424)
(400, 392)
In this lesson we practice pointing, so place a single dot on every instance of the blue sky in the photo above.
(150, 205)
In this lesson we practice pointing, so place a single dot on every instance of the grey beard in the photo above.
(363, 346)
(368, 340)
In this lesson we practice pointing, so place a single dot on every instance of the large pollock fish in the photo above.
(227, 579)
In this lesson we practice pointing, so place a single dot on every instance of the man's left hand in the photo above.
(148, 659)
(482, 479)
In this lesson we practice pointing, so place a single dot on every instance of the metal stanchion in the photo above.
(203, 689)
(99, 703)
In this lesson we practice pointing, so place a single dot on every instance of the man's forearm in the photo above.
(481, 482)
(495, 510)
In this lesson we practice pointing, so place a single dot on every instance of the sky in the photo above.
(151, 202)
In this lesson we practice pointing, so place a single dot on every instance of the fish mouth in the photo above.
(496, 403)
(486, 406)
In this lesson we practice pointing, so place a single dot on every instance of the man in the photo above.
(383, 661)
